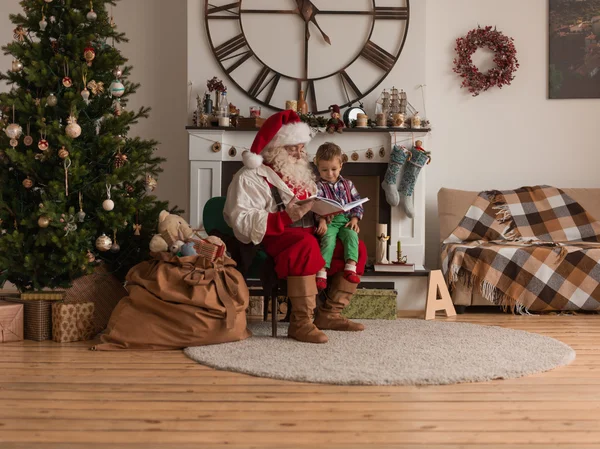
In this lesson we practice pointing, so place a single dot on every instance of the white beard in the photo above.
(296, 172)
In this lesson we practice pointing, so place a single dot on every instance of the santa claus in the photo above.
(262, 208)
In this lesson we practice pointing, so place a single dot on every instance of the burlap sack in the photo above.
(176, 302)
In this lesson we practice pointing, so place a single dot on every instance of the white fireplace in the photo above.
(212, 168)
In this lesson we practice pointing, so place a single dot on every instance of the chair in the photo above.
(252, 261)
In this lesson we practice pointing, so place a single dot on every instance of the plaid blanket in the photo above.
(533, 248)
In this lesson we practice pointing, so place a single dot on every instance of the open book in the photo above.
(325, 206)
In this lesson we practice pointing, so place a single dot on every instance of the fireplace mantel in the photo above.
(211, 169)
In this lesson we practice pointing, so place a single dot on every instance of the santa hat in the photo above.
(283, 128)
(334, 108)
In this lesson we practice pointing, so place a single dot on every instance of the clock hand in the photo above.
(308, 11)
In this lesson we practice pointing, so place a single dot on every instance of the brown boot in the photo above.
(302, 291)
(338, 297)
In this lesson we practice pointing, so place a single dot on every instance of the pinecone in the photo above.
(120, 160)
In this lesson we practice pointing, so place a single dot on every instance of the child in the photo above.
(343, 226)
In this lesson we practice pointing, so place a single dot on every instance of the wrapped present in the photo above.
(208, 250)
(11, 322)
(45, 296)
(101, 288)
(373, 304)
(72, 322)
(37, 317)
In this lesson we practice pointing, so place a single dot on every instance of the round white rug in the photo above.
(401, 352)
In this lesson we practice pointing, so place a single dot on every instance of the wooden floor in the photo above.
(65, 396)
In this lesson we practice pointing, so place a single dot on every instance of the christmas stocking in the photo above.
(397, 159)
(409, 177)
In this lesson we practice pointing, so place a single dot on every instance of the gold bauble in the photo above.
(27, 183)
(63, 153)
(103, 243)
(43, 221)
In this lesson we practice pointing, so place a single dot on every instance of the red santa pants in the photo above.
(296, 253)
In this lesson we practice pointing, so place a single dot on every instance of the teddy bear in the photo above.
(175, 235)
(173, 232)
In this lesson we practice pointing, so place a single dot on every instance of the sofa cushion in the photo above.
(454, 203)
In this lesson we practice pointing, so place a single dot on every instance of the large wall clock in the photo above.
(273, 49)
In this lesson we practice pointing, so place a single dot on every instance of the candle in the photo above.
(399, 247)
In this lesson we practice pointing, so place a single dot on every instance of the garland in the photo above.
(505, 59)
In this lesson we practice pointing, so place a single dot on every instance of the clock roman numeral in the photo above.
(391, 13)
(346, 80)
(227, 51)
(311, 95)
(233, 10)
(378, 56)
(261, 83)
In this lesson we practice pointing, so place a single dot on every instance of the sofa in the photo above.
(452, 206)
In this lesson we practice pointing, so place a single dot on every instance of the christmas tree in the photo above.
(74, 188)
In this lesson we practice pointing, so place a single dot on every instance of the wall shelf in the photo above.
(346, 130)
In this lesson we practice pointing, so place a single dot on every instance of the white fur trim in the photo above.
(291, 134)
(252, 160)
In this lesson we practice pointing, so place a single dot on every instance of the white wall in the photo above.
(506, 138)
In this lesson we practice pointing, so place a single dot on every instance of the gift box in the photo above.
(208, 250)
(103, 289)
(37, 317)
(72, 322)
(11, 322)
(372, 304)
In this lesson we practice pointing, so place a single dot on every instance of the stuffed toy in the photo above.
(177, 236)
(171, 229)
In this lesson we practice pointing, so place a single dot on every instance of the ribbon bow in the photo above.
(224, 281)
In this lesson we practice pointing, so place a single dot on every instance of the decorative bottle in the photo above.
(208, 104)
(223, 110)
(302, 105)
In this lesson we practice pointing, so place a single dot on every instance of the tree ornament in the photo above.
(81, 213)
(116, 89)
(43, 143)
(43, 24)
(103, 243)
(51, 100)
(129, 188)
(27, 183)
(17, 66)
(89, 54)
(14, 143)
(43, 221)
(117, 108)
(48, 1)
(91, 15)
(117, 73)
(108, 204)
(67, 165)
(19, 33)
(151, 183)
(505, 59)
(120, 159)
(14, 130)
(115, 248)
(96, 87)
(90, 257)
(67, 81)
(73, 129)
(63, 153)
(137, 228)
(69, 222)
(85, 94)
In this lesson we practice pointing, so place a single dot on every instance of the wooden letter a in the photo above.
(444, 302)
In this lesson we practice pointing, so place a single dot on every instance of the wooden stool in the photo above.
(436, 282)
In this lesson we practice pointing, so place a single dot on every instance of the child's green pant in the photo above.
(336, 229)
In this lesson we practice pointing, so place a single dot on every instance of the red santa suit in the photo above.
(255, 210)
(254, 216)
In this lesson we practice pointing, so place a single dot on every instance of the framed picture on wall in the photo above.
(574, 62)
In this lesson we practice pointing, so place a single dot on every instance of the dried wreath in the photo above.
(505, 59)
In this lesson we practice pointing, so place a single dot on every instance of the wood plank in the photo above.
(65, 396)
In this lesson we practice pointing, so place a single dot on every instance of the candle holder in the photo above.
(400, 258)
